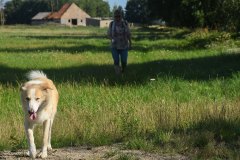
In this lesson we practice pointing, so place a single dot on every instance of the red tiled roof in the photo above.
(57, 15)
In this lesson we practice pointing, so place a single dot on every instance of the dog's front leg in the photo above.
(49, 147)
(30, 138)
(46, 125)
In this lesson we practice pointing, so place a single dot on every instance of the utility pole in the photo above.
(57, 4)
(2, 17)
(52, 5)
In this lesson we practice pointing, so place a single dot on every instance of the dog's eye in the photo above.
(28, 99)
(37, 99)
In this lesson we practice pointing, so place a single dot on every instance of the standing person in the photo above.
(120, 37)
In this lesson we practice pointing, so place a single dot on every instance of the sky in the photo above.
(117, 2)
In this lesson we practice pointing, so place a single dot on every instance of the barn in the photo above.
(69, 14)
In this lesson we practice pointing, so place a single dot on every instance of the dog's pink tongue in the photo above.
(33, 116)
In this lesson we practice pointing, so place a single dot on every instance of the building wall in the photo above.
(97, 22)
(43, 21)
(92, 22)
(74, 16)
(105, 23)
(37, 22)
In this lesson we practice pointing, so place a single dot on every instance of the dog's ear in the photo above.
(23, 87)
(46, 86)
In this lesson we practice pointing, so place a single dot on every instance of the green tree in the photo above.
(21, 12)
(192, 13)
(95, 8)
(217, 14)
(11, 11)
(103, 9)
(223, 15)
(115, 7)
(137, 11)
(167, 10)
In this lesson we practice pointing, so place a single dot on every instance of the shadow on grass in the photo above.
(223, 130)
(147, 33)
(138, 34)
(77, 49)
(66, 36)
(81, 42)
(196, 69)
(211, 138)
(216, 134)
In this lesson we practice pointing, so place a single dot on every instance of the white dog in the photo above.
(39, 99)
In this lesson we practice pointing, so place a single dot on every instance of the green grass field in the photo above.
(191, 107)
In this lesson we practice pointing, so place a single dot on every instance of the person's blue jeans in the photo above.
(120, 54)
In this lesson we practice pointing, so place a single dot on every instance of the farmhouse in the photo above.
(69, 14)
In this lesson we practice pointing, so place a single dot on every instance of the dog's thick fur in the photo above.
(39, 98)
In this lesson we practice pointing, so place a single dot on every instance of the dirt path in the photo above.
(96, 153)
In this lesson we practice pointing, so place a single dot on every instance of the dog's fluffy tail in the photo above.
(36, 74)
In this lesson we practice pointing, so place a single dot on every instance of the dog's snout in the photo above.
(30, 110)
(33, 108)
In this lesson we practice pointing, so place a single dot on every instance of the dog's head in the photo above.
(33, 97)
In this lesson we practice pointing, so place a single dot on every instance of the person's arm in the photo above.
(109, 32)
(129, 38)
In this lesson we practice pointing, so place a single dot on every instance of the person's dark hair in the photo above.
(117, 12)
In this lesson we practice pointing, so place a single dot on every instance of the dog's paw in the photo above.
(49, 147)
(31, 154)
(42, 154)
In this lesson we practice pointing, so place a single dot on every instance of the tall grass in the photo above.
(180, 92)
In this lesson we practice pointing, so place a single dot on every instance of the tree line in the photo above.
(21, 11)
(214, 14)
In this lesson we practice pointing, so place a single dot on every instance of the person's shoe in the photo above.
(117, 70)
(123, 70)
